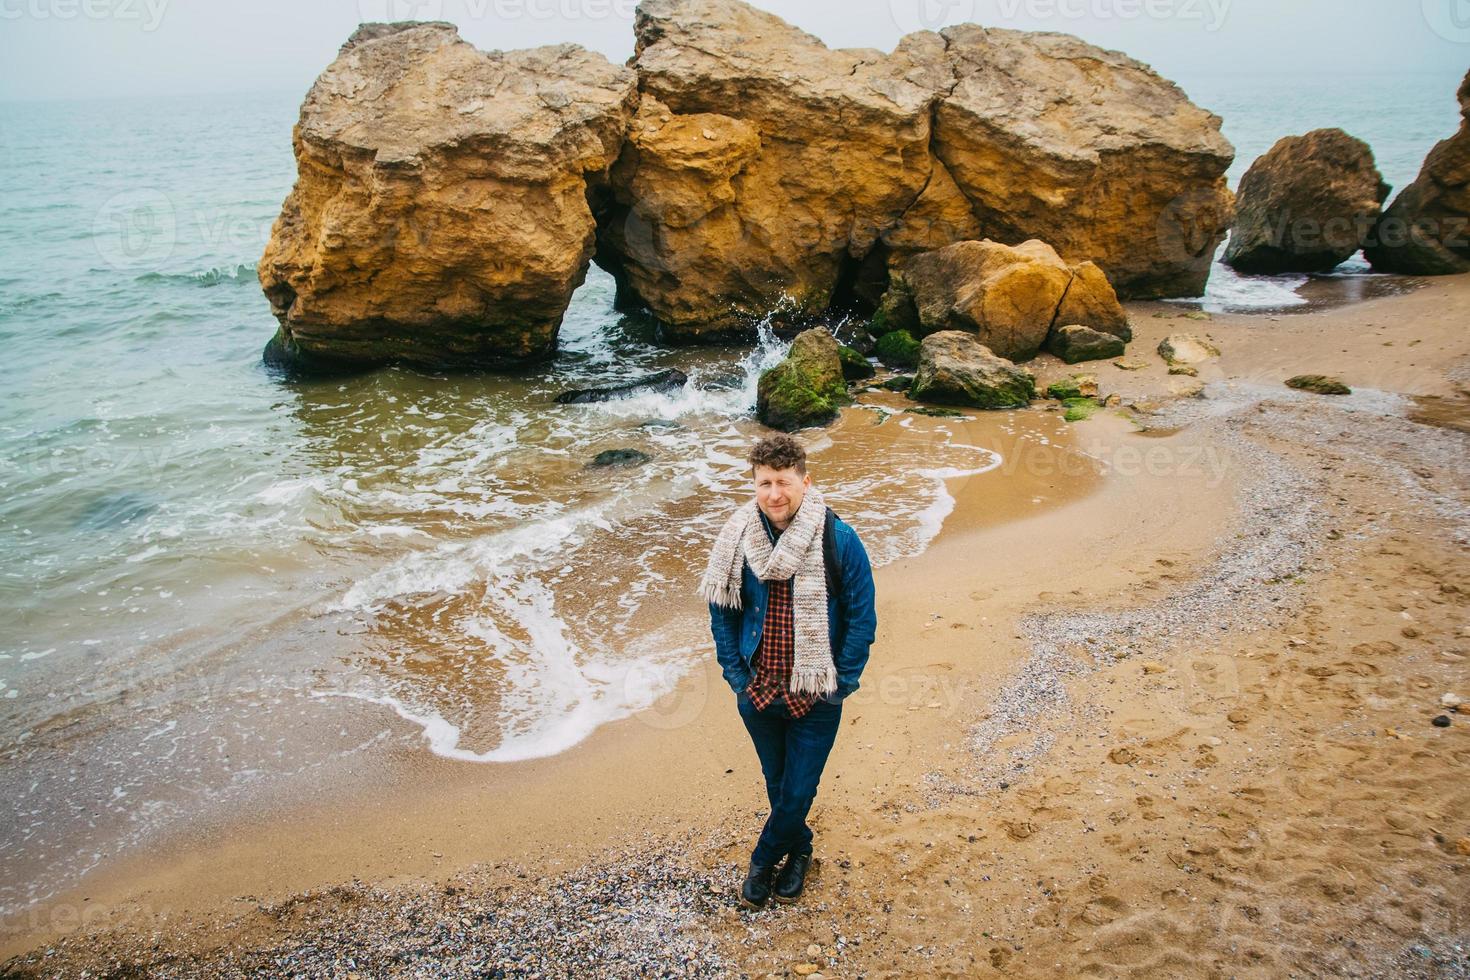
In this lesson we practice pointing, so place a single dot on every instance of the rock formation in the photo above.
(440, 211)
(1011, 298)
(956, 369)
(1426, 231)
(1306, 205)
(448, 199)
(766, 172)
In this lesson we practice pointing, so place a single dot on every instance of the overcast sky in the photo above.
(55, 49)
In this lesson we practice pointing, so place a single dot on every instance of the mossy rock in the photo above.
(1319, 383)
(898, 349)
(805, 389)
(1080, 409)
(899, 382)
(1077, 386)
(938, 413)
(855, 366)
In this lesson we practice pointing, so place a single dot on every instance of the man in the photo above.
(790, 594)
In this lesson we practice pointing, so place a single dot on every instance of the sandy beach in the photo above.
(1164, 709)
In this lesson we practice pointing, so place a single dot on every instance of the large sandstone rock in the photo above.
(761, 165)
(1089, 150)
(766, 171)
(807, 388)
(1011, 298)
(956, 369)
(440, 211)
(1306, 205)
(1426, 231)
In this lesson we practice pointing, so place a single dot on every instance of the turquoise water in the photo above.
(199, 563)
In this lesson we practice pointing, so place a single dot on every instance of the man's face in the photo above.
(778, 493)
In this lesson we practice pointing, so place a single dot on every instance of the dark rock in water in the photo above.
(1426, 230)
(1075, 343)
(660, 424)
(620, 457)
(1306, 205)
(669, 379)
(1319, 383)
(115, 510)
(805, 389)
(855, 367)
(899, 382)
(1441, 721)
(728, 381)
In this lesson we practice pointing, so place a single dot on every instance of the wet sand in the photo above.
(1162, 709)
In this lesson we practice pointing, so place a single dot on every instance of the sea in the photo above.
(204, 566)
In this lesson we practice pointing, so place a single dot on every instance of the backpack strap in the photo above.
(829, 554)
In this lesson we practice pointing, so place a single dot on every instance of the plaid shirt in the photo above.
(776, 655)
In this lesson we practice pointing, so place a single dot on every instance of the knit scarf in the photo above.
(798, 552)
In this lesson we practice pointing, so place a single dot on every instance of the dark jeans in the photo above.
(793, 752)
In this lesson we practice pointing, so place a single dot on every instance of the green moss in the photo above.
(855, 367)
(1062, 390)
(1080, 409)
(898, 349)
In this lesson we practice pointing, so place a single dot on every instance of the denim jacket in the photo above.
(737, 632)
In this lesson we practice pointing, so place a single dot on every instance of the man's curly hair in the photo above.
(779, 452)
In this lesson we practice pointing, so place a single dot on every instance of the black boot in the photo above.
(792, 878)
(757, 888)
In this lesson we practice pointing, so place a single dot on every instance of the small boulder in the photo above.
(1076, 343)
(1186, 349)
(898, 349)
(1319, 383)
(620, 457)
(899, 382)
(1077, 386)
(855, 366)
(1306, 205)
(956, 369)
(807, 388)
(669, 379)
